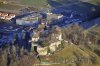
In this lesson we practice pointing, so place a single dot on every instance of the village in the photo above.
(37, 33)
(50, 36)
(34, 33)
(31, 33)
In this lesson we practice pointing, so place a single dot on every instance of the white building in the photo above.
(28, 20)
(35, 37)
(53, 46)
(42, 50)
(60, 16)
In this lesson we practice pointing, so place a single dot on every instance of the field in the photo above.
(77, 56)
(36, 3)
(96, 2)
(16, 5)
(10, 8)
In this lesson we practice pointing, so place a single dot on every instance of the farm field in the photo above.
(16, 5)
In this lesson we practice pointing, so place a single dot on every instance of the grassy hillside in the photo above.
(77, 56)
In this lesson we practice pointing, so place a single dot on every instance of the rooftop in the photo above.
(6, 15)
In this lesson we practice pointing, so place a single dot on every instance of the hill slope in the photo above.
(76, 56)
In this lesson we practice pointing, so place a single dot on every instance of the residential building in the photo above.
(42, 50)
(53, 46)
(29, 19)
(6, 15)
(8, 18)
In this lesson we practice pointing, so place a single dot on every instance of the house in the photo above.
(42, 50)
(8, 18)
(4, 14)
(12, 15)
(57, 33)
(57, 36)
(51, 15)
(53, 46)
(2, 17)
(30, 19)
(39, 49)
